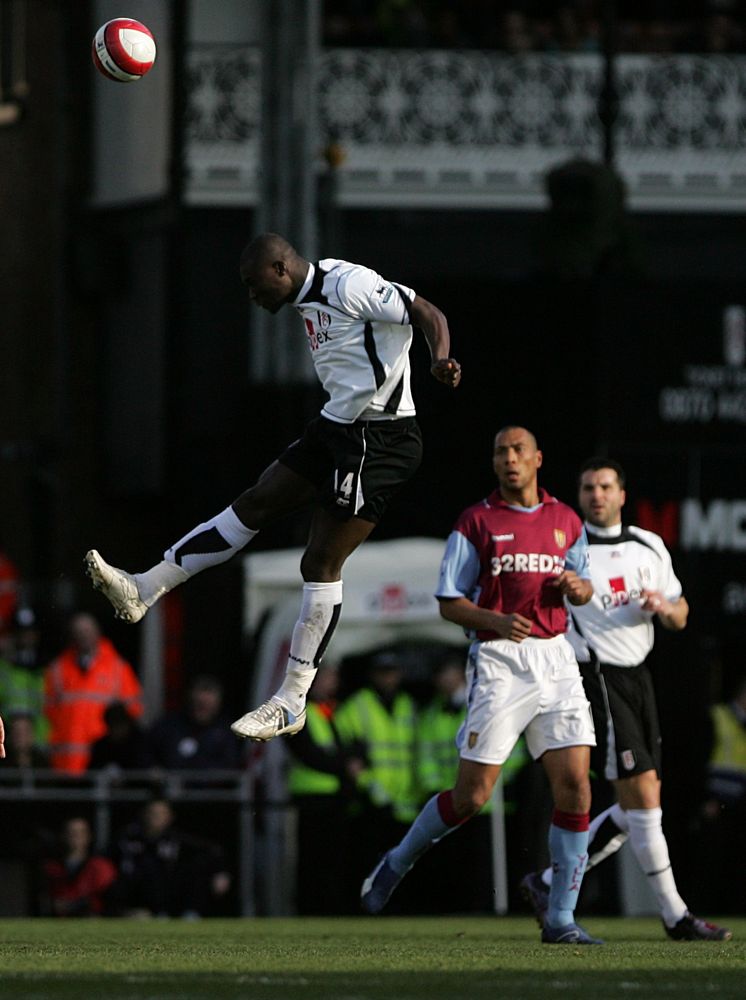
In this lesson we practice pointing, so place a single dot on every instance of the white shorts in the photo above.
(532, 687)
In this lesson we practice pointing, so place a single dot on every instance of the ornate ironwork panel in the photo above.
(465, 128)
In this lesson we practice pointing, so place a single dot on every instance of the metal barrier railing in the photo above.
(105, 788)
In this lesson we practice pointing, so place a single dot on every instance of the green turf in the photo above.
(359, 958)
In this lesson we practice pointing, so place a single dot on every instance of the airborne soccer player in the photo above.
(509, 562)
(348, 463)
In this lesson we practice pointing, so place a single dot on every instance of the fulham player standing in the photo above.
(633, 582)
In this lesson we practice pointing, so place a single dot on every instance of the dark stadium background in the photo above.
(580, 360)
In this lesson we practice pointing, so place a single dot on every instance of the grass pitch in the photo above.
(359, 958)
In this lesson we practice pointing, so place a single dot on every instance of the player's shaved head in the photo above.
(516, 428)
(267, 248)
(272, 270)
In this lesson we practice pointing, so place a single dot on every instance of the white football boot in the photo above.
(119, 587)
(269, 720)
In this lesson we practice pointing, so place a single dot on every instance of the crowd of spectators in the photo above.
(354, 773)
(713, 26)
(82, 710)
(152, 868)
(79, 711)
(372, 751)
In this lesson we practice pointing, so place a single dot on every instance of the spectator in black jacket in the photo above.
(197, 737)
(165, 871)
(123, 744)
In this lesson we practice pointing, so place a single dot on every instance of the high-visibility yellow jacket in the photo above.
(389, 740)
(305, 780)
(437, 755)
(22, 690)
(729, 749)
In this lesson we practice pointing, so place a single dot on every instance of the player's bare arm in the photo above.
(672, 615)
(575, 589)
(434, 326)
(461, 611)
(2, 739)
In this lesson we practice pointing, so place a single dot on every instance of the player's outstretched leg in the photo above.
(209, 544)
(436, 819)
(379, 886)
(119, 587)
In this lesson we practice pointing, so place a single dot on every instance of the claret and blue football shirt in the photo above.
(507, 558)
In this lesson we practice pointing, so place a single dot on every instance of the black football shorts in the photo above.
(358, 467)
(625, 715)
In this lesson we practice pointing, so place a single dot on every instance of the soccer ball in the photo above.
(123, 50)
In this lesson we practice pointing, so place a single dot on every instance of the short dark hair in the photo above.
(517, 427)
(599, 462)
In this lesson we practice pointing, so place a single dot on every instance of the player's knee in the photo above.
(251, 511)
(467, 802)
(319, 567)
(573, 793)
(571, 790)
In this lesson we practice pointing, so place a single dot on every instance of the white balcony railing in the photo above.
(456, 129)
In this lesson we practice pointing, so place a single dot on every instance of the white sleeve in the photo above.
(670, 586)
(367, 295)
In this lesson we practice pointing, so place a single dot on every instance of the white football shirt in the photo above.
(624, 561)
(359, 332)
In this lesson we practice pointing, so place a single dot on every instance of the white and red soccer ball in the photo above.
(123, 50)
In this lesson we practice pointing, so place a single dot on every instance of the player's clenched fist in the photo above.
(447, 370)
(571, 586)
(514, 627)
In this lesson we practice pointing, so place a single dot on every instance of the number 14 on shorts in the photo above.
(345, 488)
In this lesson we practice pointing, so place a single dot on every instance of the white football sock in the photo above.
(619, 817)
(319, 613)
(651, 850)
(209, 544)
(610, 837)
(156, 582)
